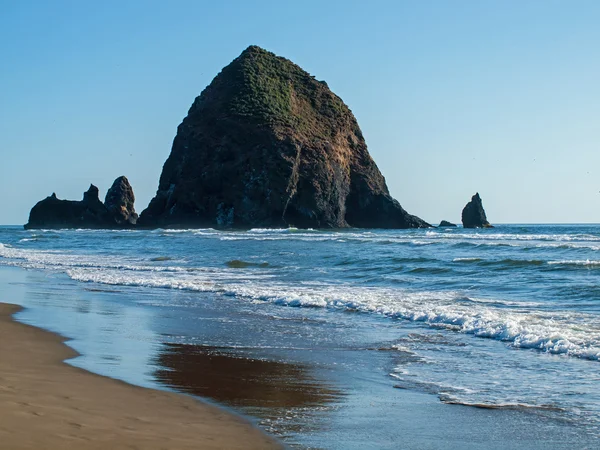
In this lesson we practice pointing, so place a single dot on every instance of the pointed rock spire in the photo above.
(473, 214)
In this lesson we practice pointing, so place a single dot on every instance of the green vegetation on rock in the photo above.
(270, 90)
(268, 145)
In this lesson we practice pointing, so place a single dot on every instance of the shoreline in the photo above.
(307, 376)
(46, 403)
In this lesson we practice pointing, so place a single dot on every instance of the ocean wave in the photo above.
(298, 237)
(430, 270)
(161, 258)
(457, 238)
(283, 230)
(456, 400)
(193, 231)
(519, 324)
(571, 262)
(510, 262)
(118, 278)
(85, 230)
(571, 334)
(238, 264)
(414, 259)
(55, 260)
(506, 263)
(45, 259)
(514, 237)
(490, 301)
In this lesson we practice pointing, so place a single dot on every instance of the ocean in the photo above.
(436, 338)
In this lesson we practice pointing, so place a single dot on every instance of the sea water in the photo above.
(504, 318)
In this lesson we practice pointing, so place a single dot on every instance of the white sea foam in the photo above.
(520, 324)
(418, 238)
(279, 230)
(504, 302)
(514, 236)
(409, 237)
(558, 333)
(571, 262)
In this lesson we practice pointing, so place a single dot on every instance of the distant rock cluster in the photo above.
(117, 211)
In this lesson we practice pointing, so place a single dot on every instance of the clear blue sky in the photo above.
(453, 97)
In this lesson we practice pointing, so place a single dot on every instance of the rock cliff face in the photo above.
(267, 145)
(119, 202)
(87, 213)
(473, 214)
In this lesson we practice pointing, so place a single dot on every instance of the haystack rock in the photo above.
(473, 214)
(267, 145)
(120, 202)
(90, 212)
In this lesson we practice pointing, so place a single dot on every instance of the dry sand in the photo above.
(47, 404)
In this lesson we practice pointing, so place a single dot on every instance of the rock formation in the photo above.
(446, 224)
(87, 213)
(119, 202)
(267, 145)
(473, 214)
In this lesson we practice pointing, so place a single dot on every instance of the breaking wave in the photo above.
(520, 324)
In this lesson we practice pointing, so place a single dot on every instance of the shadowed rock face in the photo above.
(473, 214)
(120, 202)
(267, 145)
(55, 213)
(90, 212)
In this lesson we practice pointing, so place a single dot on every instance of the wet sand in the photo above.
(240, 381)
(283, 395)
(45, 403)
(312, 378)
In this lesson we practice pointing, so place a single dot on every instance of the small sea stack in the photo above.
(473, 214)
(117, 211)
(446, 224)
(120, 200)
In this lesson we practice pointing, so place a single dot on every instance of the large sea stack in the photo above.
(117, 212)
(267, 145)
(473, 214)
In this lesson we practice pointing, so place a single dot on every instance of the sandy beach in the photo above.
(310, 377)
(45, 403)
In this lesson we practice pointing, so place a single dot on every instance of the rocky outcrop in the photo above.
(446, 224)
(120, 201)
(473, 214)
(267, 145)
(90, 212)
(55, 213)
